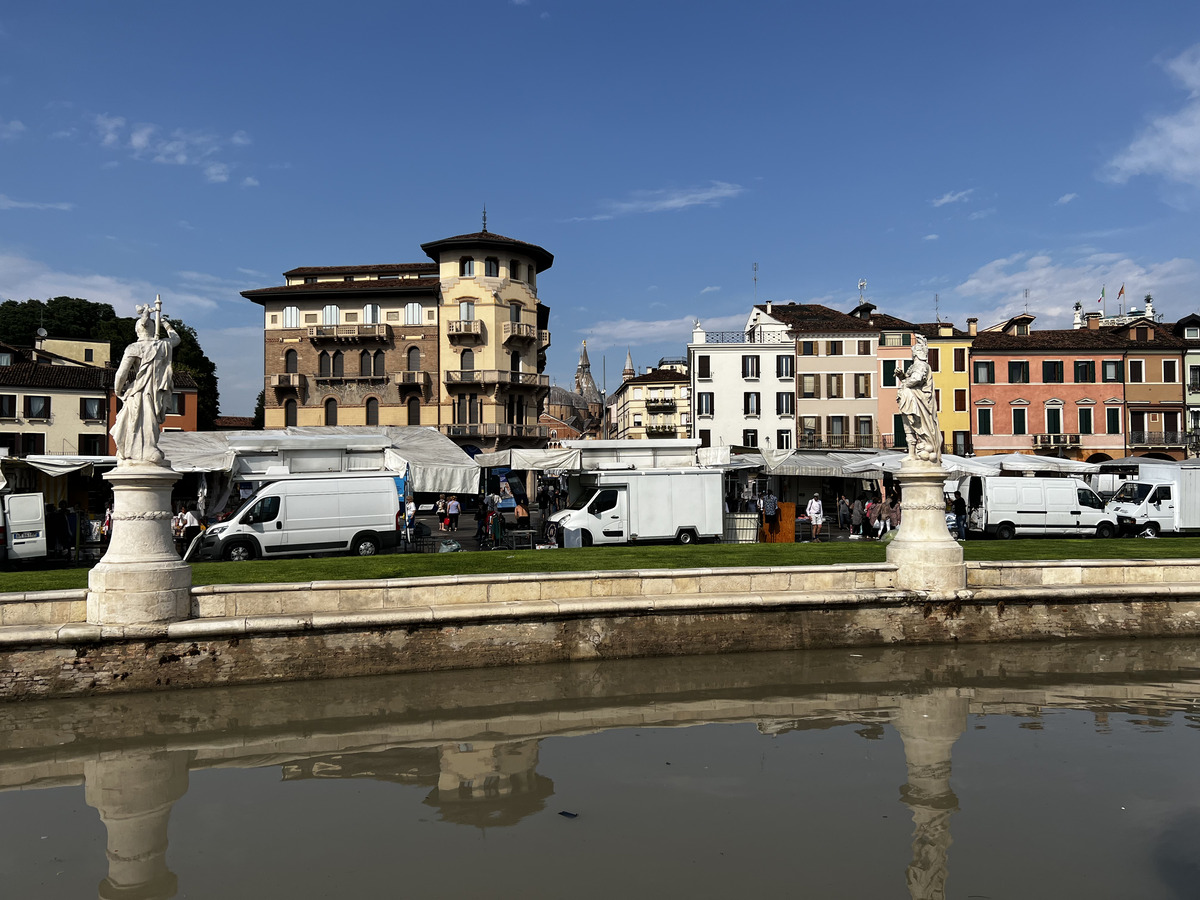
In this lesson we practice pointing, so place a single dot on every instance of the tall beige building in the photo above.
(458, 343)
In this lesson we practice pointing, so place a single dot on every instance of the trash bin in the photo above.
(571, 537)
(741, 528)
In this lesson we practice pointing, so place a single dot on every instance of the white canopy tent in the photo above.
(550, 460)
(980, 465)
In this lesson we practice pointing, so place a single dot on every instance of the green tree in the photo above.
(260, 406)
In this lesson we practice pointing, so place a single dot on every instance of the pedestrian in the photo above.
(843, 512)
(191, 526)
(884, 523)
(816, 515)
(481, 515)
(856, 516)
(453, 510)
(895, 516)
(439, 510)
(771, 511)
(410, 518)
(960, 515)
(522, 514)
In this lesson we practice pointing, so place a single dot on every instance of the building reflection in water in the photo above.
(473, 737)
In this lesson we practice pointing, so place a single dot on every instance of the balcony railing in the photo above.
(350, 333)
(661, 428)
(494, 429)
(757, 336)
(1056, 440)
(1158, 438)
(496, 376)
(286, 380)
(1193, 387)
(409, 377)
(465, 328)
(841, 442)
(518, 331)
(660, 405)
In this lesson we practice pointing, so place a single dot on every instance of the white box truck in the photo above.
(1064, 507)
(1161, 498)
(619, 507)
(24, 526)
(356, 514)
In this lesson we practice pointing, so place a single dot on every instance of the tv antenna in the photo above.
(756, 284)
(1026, 301)
(862, 286)
(937, 315)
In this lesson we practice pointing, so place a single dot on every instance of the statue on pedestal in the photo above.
(918, 407)
(144, 383)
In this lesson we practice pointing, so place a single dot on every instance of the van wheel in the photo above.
(1006, 532)
(585, 538)
(1151, 529)
(1105, 530)
(686, 537)
(238, 552)
(364, 545)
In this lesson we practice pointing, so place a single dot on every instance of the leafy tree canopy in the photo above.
(73, 318)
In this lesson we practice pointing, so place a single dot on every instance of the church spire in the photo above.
(629, 371)
(585, 385)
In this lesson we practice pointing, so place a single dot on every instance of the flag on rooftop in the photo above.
(1121, 292)
(1101, 298)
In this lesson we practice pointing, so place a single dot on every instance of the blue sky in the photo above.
(966, 150)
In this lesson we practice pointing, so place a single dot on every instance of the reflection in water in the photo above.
(473, 739)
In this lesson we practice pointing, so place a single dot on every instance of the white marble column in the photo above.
(926, 554)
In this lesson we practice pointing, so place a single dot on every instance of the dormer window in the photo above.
(1022, 329)
(491, 267)
(1192, 334)
(466, 267)
(1142, 334)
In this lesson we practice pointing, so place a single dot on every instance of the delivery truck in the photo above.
(1158, 497)
(24, 527)
(619, 507)
(1064, 507)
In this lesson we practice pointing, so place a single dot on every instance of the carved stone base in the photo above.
(141, 579)
(928, 557)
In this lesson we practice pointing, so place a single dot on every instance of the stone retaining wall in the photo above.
(279, 632)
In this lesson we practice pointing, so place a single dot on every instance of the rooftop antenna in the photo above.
(862, 286)
(485, 218)
(1026, 301)
(937, 315)
(756, 284)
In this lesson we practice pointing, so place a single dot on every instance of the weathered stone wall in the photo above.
(267, 633)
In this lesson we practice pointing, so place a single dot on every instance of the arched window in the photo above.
(468, 360)
(414, 411)
(412, 313)
(291, 317)
(331, 315)
(414, 359)
(364, 363)
(514, 270)
(371, 314)
(466, 267)
(372, 411)
(289, 413)
(291, 362)
(324, 368)
(330, 411)
(378, 369)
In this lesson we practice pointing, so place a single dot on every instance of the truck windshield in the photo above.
(582, 499)
(1132, 492)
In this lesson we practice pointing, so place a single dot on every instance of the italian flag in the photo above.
(1101, 300)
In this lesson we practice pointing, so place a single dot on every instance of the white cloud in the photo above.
(981, 214)
(1065, 199)
(8, 203)
(240, 139)
(251, 273)
(249, 181)
(146, 141)
(1169, 145)
(953, 197)
(216, 173)
(11, 129)
(712, 288)
(670, 199)
(996, 291)
(930, 237)
(640, 332)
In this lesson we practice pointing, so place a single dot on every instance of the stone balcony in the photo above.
(348, 333)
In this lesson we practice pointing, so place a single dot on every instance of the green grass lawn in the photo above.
(403, 565)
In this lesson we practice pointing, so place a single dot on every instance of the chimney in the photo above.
(972, 326)
(768, 307)
(1093, 321)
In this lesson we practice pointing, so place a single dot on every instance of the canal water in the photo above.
(1000, 771)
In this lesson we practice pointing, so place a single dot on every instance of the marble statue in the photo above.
(144, 383)
(917, 406)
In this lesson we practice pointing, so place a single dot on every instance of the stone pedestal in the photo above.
(141, 580)
(928, 557)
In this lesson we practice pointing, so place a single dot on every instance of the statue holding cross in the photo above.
(143, 382)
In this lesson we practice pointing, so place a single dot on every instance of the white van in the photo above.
(1008, 507)
(359, 515)
(1163, 497)
(24, 526)
(683, 505)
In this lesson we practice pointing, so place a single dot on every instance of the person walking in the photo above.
(439, 510)
(816, 515)
(843, 512)
(883, 521)
(191, 526)
(410, 518)
(771, 512)
(856, 516)
(960, 515)
(453, 510)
